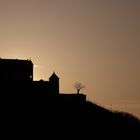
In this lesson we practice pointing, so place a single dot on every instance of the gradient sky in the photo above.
(96, 42)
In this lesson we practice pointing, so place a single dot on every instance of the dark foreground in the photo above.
(35, 117)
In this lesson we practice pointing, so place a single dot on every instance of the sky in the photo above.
(96, 42)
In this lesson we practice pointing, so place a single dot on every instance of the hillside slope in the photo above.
(73, 119)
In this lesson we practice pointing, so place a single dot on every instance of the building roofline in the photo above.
(16, 60)
(53, 76)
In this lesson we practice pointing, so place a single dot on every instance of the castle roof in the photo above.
(54, 76)
(15, 61)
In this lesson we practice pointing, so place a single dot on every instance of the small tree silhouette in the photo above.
(78, 86)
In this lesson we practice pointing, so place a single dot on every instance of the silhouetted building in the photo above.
(16, 79)
(42, 87)
(16, 76)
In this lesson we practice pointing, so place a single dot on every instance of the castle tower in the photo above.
(16, 75)
(54, 83)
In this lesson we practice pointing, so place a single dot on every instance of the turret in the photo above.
(54, 83)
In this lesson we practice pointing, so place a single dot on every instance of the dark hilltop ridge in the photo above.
(38, 108)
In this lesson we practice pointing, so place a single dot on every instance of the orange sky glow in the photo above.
(96, 42)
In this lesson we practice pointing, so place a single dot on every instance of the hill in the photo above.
(70, 119)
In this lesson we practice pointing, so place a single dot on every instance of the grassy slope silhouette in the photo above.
(81, 119)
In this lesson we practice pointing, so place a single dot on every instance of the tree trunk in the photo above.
(78, 90)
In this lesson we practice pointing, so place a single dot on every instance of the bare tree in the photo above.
(78, 86)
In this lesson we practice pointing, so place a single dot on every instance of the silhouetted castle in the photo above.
(16, 78)
(17, 75)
